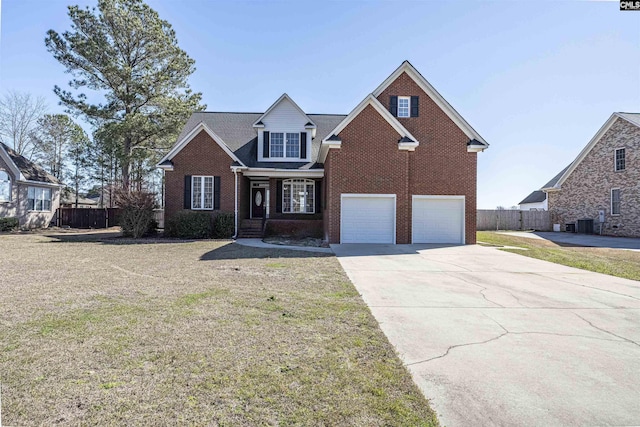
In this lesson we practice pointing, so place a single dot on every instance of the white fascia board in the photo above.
(434, 95)
(165, 167)
(187, 138)
(284, 173)
(39, 183)
(586, 150)
(278, 101)
(373, 101)
(12, 166)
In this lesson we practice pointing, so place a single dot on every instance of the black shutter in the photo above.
(278, 196)
(318, 197)
(265, 145)
(303, 145)
(414, 106)
(393, 105)
(187, 192)
(216, 193)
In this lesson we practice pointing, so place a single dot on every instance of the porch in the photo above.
(273, 206)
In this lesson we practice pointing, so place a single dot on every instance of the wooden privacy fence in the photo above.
(87, 217)
(513, 220)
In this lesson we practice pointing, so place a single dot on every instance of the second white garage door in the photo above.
(438, 219)
(368, 218)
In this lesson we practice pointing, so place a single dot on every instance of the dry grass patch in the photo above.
(615, 262)
(108, 332)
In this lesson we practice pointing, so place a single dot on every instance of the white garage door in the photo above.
(438, 219)
(368, 218)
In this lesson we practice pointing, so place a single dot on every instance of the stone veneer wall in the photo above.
(588, 189)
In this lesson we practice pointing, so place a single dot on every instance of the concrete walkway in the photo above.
(258, 243)
(581, 239)
(495, 338)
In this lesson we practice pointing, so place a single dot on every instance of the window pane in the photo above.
(277, 145)
(286, 198)
(620, 159)
(310, 198)
(403, 107)
(5, 186)
(615, 202)
(208, 192)
(31, 193)
(196, 193)
(293, 145)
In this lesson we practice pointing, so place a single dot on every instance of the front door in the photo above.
(257, 202)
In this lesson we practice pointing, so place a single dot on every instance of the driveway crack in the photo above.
(607, 331)
(482, 289)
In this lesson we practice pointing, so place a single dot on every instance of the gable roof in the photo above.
(633, 118)
(415, 75)
(283, 97)
(24, 169)
(237, 133)
(535, 197)
(406, 138)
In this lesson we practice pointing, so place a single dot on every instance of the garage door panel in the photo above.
(368, 219)
(437, 220)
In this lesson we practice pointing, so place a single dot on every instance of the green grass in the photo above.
(614, 262)
(197, 333)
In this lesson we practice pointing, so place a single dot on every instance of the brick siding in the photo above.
(588, 189)
(201, 156)
(440, 165)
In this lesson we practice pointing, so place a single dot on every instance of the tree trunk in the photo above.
(126, 164)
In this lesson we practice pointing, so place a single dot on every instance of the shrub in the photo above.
(189, 225)
(224, 226)
(8, 224)
(136, 213)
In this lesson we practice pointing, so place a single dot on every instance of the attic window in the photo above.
(403, 106)
(620, 163)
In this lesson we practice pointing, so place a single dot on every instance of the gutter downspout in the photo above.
(235, 175)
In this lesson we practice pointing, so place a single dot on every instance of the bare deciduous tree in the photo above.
(19, 114)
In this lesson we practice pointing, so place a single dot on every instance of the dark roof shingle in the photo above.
(30, 170)
(237, 131)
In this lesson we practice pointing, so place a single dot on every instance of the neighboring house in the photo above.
(27, 191)
(400, 168)
(69, 201)
(538, 199)
(603, 182)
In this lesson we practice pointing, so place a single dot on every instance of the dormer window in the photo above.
(284, 145)
(403, 106)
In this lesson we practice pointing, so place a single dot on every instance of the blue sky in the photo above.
(535, 79)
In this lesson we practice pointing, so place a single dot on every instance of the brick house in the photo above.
(400, 168)
(603, 183)
(27, 192)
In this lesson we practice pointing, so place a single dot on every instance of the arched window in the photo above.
(5, 187)
(298, 196)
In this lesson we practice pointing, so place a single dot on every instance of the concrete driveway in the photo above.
(494, 338)
(592, 240)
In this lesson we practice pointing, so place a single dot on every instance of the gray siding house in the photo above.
(603, 182)
(27, 191)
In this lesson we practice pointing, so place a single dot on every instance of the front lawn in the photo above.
(615, 262)
(106, 332)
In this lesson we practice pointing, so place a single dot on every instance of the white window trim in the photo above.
(615, 159)
(10, 187)
(306, 182)
(284, 147)
(619, 202)
(50, 199)
(213, 192)
(408, 98)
